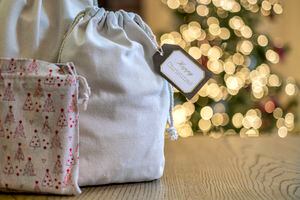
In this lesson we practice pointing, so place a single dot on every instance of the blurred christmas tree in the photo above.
(243, 97)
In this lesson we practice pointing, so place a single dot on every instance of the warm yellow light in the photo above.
(278, 9)
(195, 52)
(252, 2)
(205, 48)
(238, 59)
(213, 90)
(282, 132)
(189, 108)
(215, 66)
(277, 113)
(190, 7)
(262, 40)
(246, 47)
(290, 89)
(212, 20)
(217, 119)
(274, 81)
(236, 23)
(206, 112)
(185, 131)
(205, 2)
(246, 32)
(280, 123)
(225, 34)
(183, 2)
(173, 4)
(237, 120)
(202, 10)
(214, 29)
(229, 67)
(266, 5)
(214, 53)
(225, 119)
(179, 115)
(272, 56)
(204, 125)
(289, 119)
(252, 133)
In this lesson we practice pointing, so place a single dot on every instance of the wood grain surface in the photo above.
(206, 168)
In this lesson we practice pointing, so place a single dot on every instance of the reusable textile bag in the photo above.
(35, 28)
(122, 132)
(39, 126)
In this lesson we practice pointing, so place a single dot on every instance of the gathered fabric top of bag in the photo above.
(35, 29)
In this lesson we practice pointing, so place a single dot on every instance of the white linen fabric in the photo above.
(39, 127)
(122, 132)
(35, 28)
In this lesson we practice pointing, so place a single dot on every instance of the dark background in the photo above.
(128, 5)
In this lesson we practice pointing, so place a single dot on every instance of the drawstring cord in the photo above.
(171, 130)
(87, 92)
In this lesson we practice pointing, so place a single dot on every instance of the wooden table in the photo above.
(204, 168)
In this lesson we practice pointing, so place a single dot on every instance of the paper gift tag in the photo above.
(181, 70)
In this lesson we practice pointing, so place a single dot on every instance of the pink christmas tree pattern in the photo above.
(62, 119)
(33, 67)
(29, 168)
(38, 90)
(76, 120)
(73, 105)
(35, 141)
(46, 127)
(19, 154)
(50, 80)
(68, 178)
(73, 120)
(70, 80)
(49, 106)
(2, 131)
(58, 166)
(28, 104)
(56, 142)
(47, 180)
(10, 117)
(22, 70)
(36, 187)
(71, 160)
(19, 132)
(38, 106)
(8, 168)
(8, 93)
(12, 66)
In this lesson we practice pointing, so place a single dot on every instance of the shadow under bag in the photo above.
(122, 131)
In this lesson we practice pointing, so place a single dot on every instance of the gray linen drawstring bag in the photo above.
(122, 131)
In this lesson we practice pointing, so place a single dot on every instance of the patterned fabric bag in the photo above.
(122, 132)
(39, 126)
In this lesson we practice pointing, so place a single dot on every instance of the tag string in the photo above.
(171, 130)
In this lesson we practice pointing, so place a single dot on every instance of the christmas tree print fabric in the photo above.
(38, 127)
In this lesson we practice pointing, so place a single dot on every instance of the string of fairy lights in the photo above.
(197, 38)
